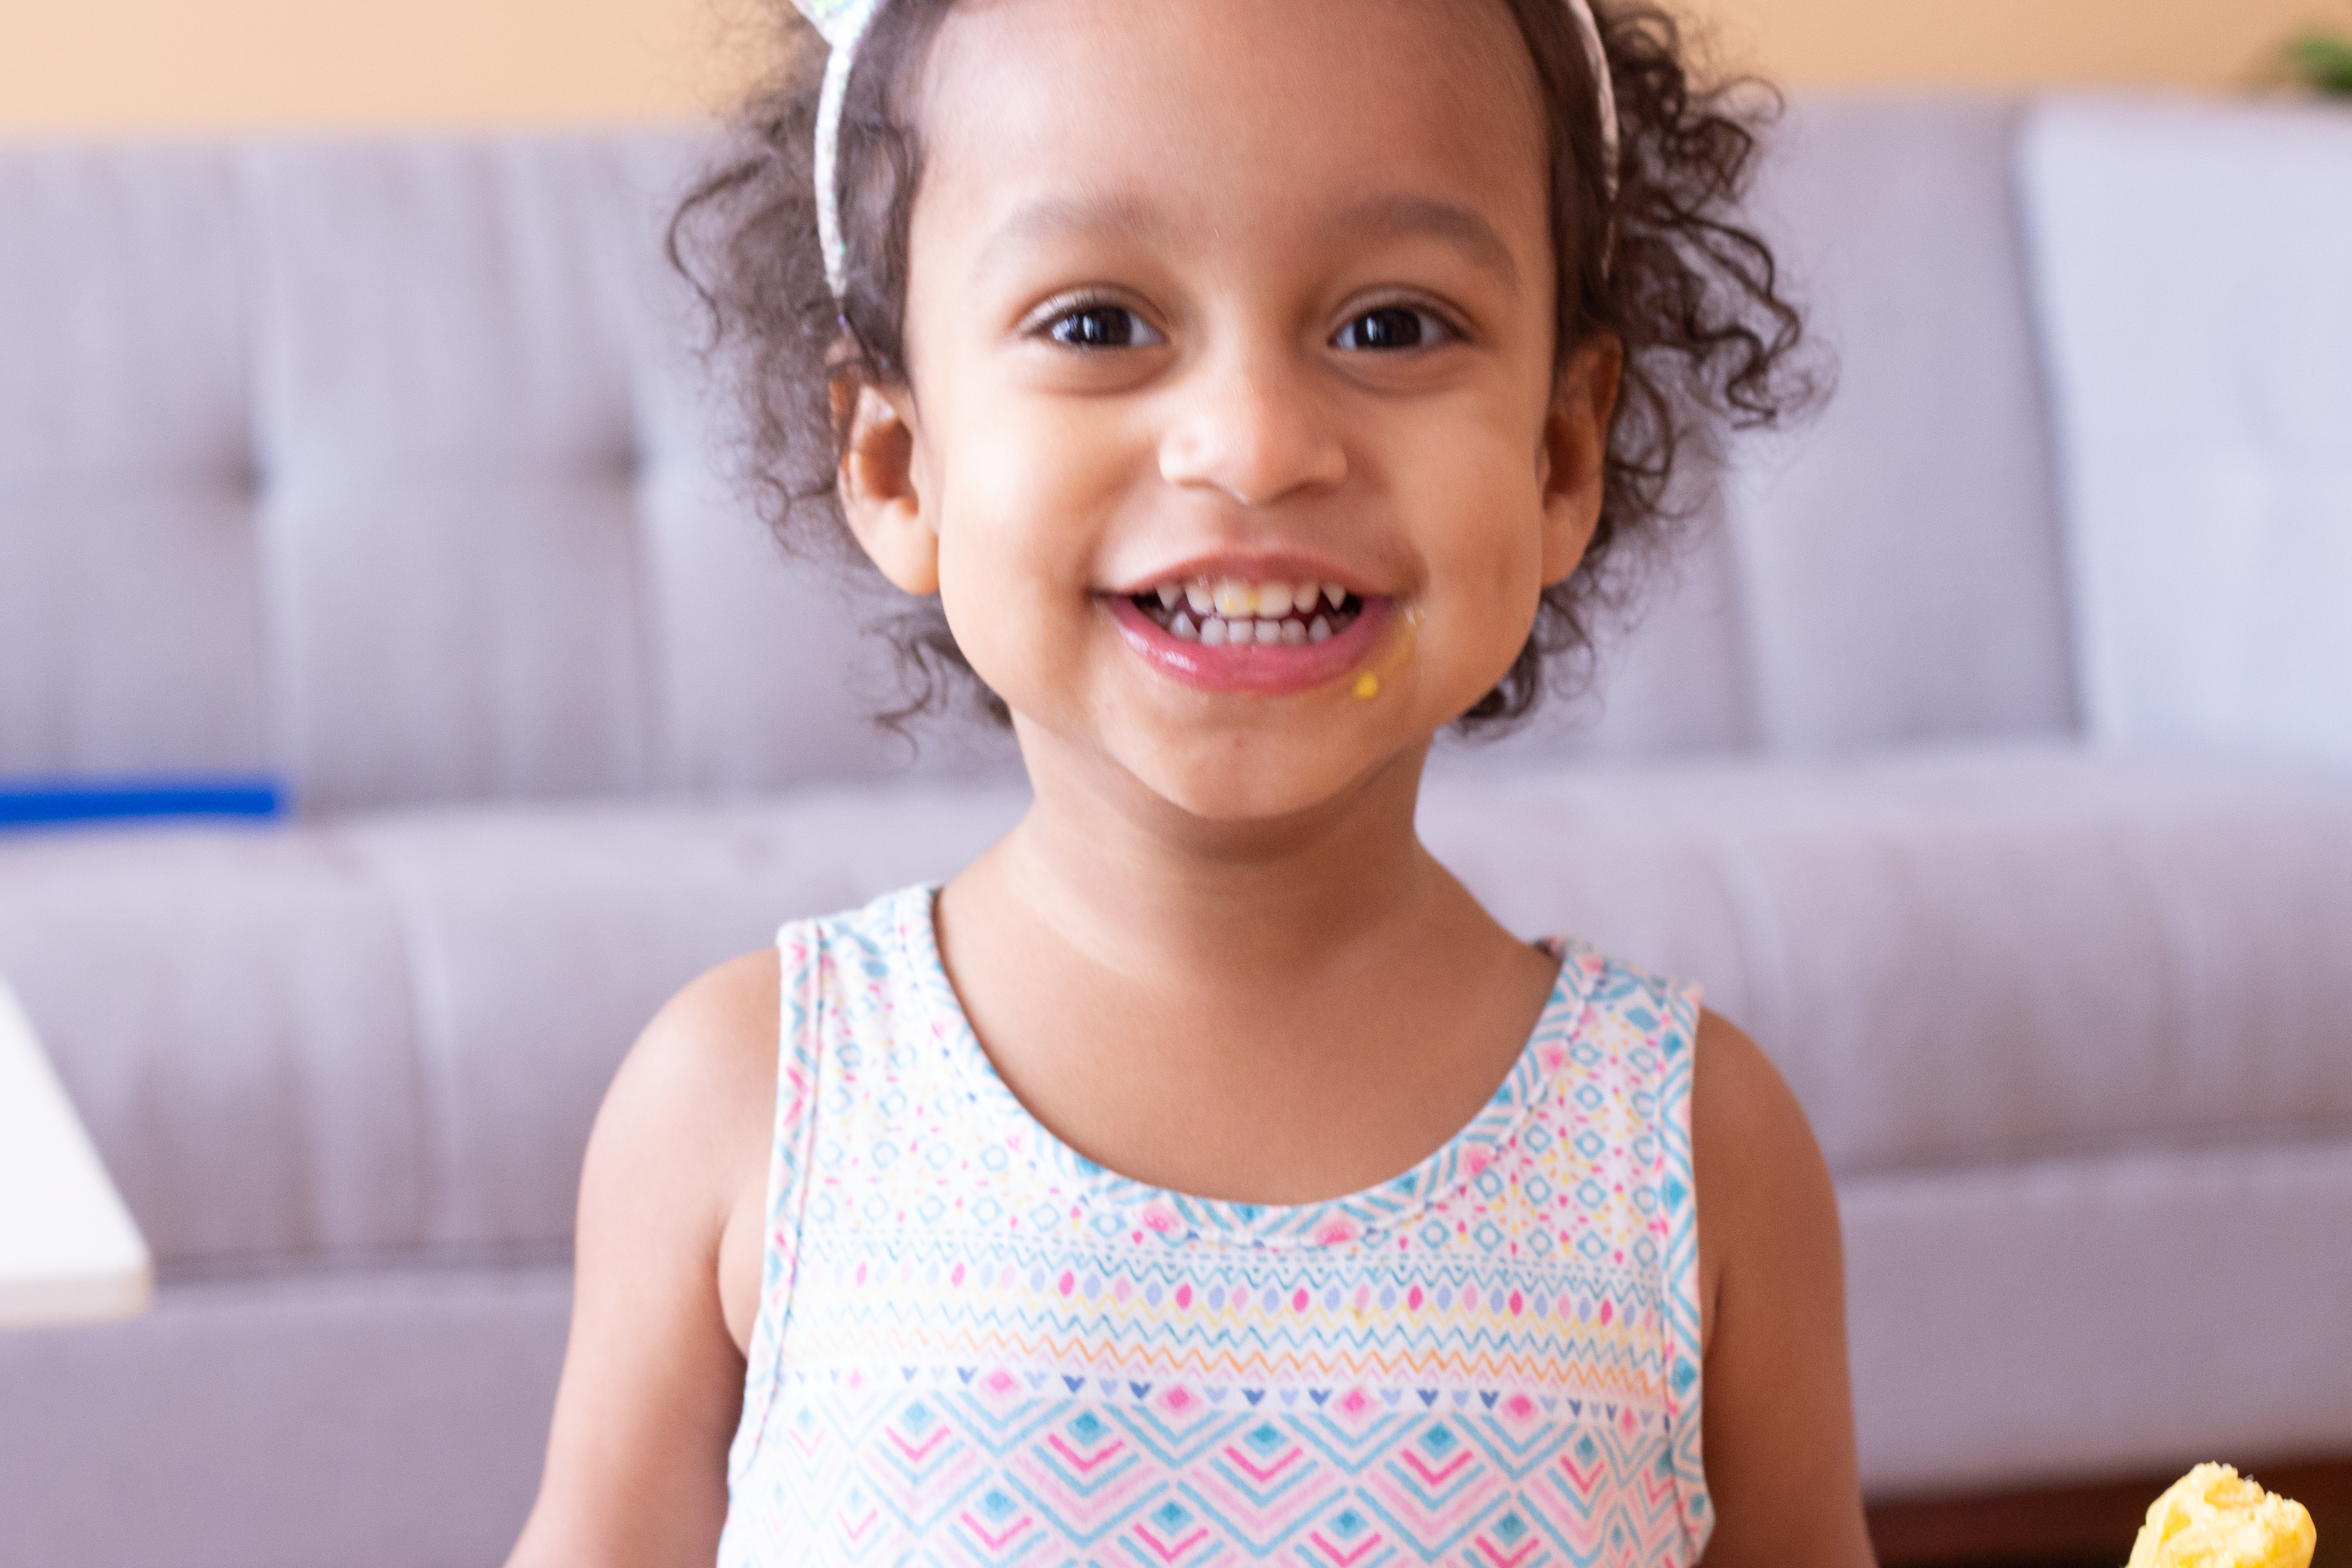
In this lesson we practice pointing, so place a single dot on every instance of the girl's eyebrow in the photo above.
(1402, 215)
(1387, 216)
(1055, 217)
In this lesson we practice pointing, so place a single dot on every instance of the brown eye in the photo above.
(1100, 326)
(1390, 328)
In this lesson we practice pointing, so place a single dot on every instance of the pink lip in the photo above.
(1276, 671)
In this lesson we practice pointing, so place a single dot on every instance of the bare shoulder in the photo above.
(691, 1106)
(653, 1375)
(707, 1060)
(1738, 1097)
(1754, 1160)
(689, 1120)
(1776, 1409)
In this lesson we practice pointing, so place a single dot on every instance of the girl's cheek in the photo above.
(1048, 501)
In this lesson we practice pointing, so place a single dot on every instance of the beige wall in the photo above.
(137, 65)
(211, 65)
(2016, 43)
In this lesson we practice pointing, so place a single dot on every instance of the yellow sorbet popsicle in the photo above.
(2214, 1518)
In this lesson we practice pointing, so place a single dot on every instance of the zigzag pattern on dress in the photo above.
(959, 1474)
(1355, 1317)
(975, 1347)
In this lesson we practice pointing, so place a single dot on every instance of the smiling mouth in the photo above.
(1228, 612)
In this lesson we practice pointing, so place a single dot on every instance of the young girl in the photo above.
(1256, 388)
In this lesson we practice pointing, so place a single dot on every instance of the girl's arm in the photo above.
(671, 1204)
(1777, 1422)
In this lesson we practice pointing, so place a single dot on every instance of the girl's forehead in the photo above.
(1279, 97)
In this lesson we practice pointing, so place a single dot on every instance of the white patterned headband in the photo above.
(844, 24)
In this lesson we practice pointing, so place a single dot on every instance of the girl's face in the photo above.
(1247, 306)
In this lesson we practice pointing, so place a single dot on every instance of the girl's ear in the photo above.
(881, 488)
(1575, 452)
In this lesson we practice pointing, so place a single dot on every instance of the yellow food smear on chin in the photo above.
(2214, 1518)
(1404, 638)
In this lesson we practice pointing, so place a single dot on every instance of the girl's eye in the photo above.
(1391, 328)
(1101, 327)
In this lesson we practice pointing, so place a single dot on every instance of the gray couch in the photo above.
(1988, 755)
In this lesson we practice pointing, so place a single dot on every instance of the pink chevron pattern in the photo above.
(976, 1347)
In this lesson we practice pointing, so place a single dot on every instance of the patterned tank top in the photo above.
(974, 1345)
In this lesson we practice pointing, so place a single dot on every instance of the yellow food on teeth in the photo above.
(2214, 1518)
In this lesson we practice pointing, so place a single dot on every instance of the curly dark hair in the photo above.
(1694, 297)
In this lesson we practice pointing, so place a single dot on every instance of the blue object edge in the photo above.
(42, 804)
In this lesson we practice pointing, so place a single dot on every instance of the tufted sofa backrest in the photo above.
(386, 469)
(390, 470)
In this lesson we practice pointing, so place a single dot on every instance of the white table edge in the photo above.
(93, 1299)
(92, 1266)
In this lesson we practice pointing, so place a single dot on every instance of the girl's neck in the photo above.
(1149, 891)
(1280, 1011)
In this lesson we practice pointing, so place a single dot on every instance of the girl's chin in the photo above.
(1241, 777)
(1223, 797)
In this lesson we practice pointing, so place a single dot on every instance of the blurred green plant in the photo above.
(2320, 61)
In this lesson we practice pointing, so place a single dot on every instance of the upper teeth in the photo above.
(1233, 599)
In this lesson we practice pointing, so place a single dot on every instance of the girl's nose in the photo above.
(1248, 427)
